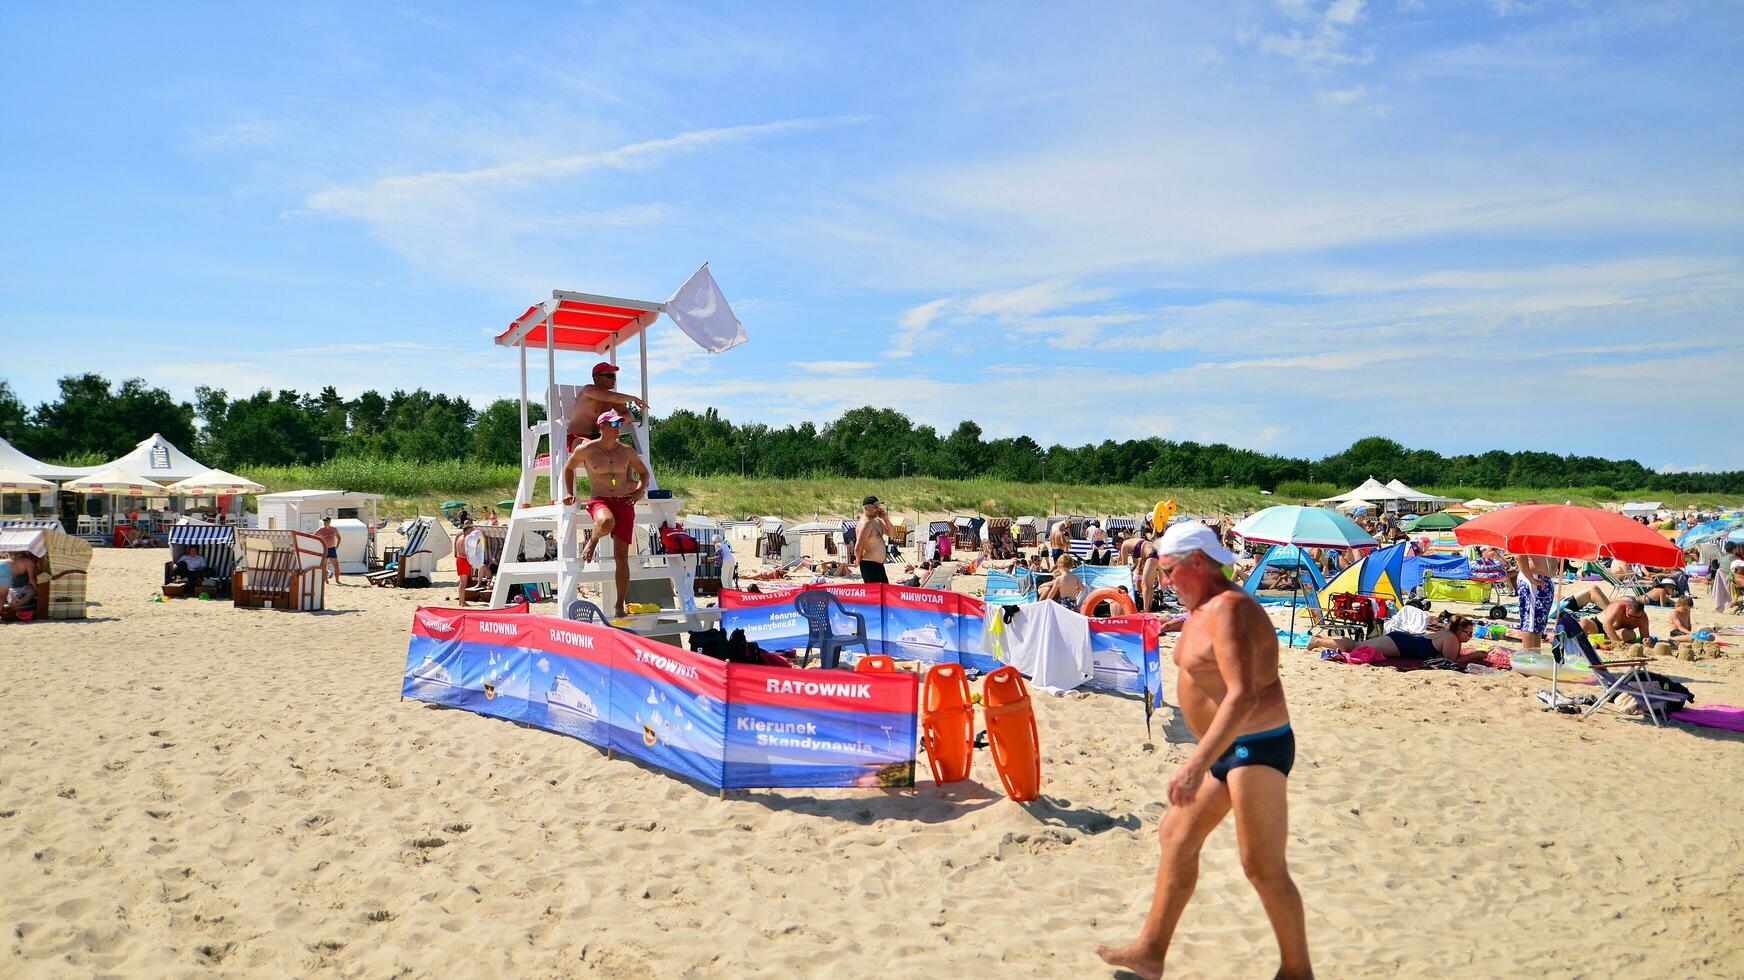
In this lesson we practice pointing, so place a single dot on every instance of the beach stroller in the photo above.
(1656, 697)
(817, 607)
(62, 563)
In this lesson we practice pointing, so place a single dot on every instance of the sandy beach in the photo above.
(192, 788)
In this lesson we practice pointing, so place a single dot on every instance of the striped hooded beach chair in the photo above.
(426, 541)
(279, 569)
(216, 543)
(62, 563)
(999, 540)
(495, 536)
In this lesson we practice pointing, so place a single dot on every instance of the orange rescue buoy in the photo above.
(1122, 602)
(1011, 733)
(947, 722)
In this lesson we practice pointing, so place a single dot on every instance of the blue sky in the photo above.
(1284, 225)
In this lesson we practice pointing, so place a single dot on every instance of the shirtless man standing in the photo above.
(329, 537)
(1059, 541)
(595, 400)
(1233, 701)
(617, 478)
(869, 540)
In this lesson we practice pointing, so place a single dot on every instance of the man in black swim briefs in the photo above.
(1233, 700)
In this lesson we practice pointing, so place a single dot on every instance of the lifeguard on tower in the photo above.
(636, 506)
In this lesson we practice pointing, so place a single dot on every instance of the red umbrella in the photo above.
(1575, 533)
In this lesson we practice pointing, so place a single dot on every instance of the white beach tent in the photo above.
(156, 458)
(1373, 491)
(13, 459)
(1417, 495)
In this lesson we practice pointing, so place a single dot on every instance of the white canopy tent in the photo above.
(156, 458)
(1371, 491)
(13, 459)
(1416, 495)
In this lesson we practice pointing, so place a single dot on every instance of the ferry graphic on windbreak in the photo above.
(431, 675)
(921, 642)
(567, 701)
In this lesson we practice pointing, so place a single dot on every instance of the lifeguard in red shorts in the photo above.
(617, 478)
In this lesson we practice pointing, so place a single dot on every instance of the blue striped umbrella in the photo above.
(1708, 531)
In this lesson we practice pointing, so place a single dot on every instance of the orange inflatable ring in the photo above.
(1123, 604)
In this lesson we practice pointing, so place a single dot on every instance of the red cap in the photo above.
(605, 367)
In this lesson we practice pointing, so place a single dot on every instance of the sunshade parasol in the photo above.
(1307, 527)
(216, 482)
(1438, 522)
(1567, 531)
(119, 482)
(12, 481)
(1703, 533)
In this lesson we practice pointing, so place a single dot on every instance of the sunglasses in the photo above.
(617, 424)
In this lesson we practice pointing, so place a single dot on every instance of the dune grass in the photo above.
(413, 487)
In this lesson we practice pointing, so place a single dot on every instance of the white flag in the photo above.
(702, 313)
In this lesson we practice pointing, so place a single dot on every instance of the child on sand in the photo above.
(1681, 627)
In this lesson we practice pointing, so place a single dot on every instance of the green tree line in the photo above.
(92, 418)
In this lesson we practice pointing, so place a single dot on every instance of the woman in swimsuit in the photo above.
(1444, 643)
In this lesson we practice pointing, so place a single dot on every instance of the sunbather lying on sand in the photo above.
(1443, 643)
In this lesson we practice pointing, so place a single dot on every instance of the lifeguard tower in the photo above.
(584, 322)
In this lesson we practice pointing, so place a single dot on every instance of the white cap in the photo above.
(1190, 536)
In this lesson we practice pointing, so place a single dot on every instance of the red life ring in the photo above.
(1122, 602)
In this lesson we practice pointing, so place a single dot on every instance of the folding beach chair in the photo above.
(939, 578)
(1617, 676)
(816, 605)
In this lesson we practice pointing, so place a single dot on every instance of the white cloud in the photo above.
(834, 367)
(505, 226)
(1323, 46)
(1342, 96)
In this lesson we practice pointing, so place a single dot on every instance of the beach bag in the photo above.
(1677, 696)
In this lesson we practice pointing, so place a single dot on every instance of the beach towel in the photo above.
(1713, 716)
(1370, 657)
